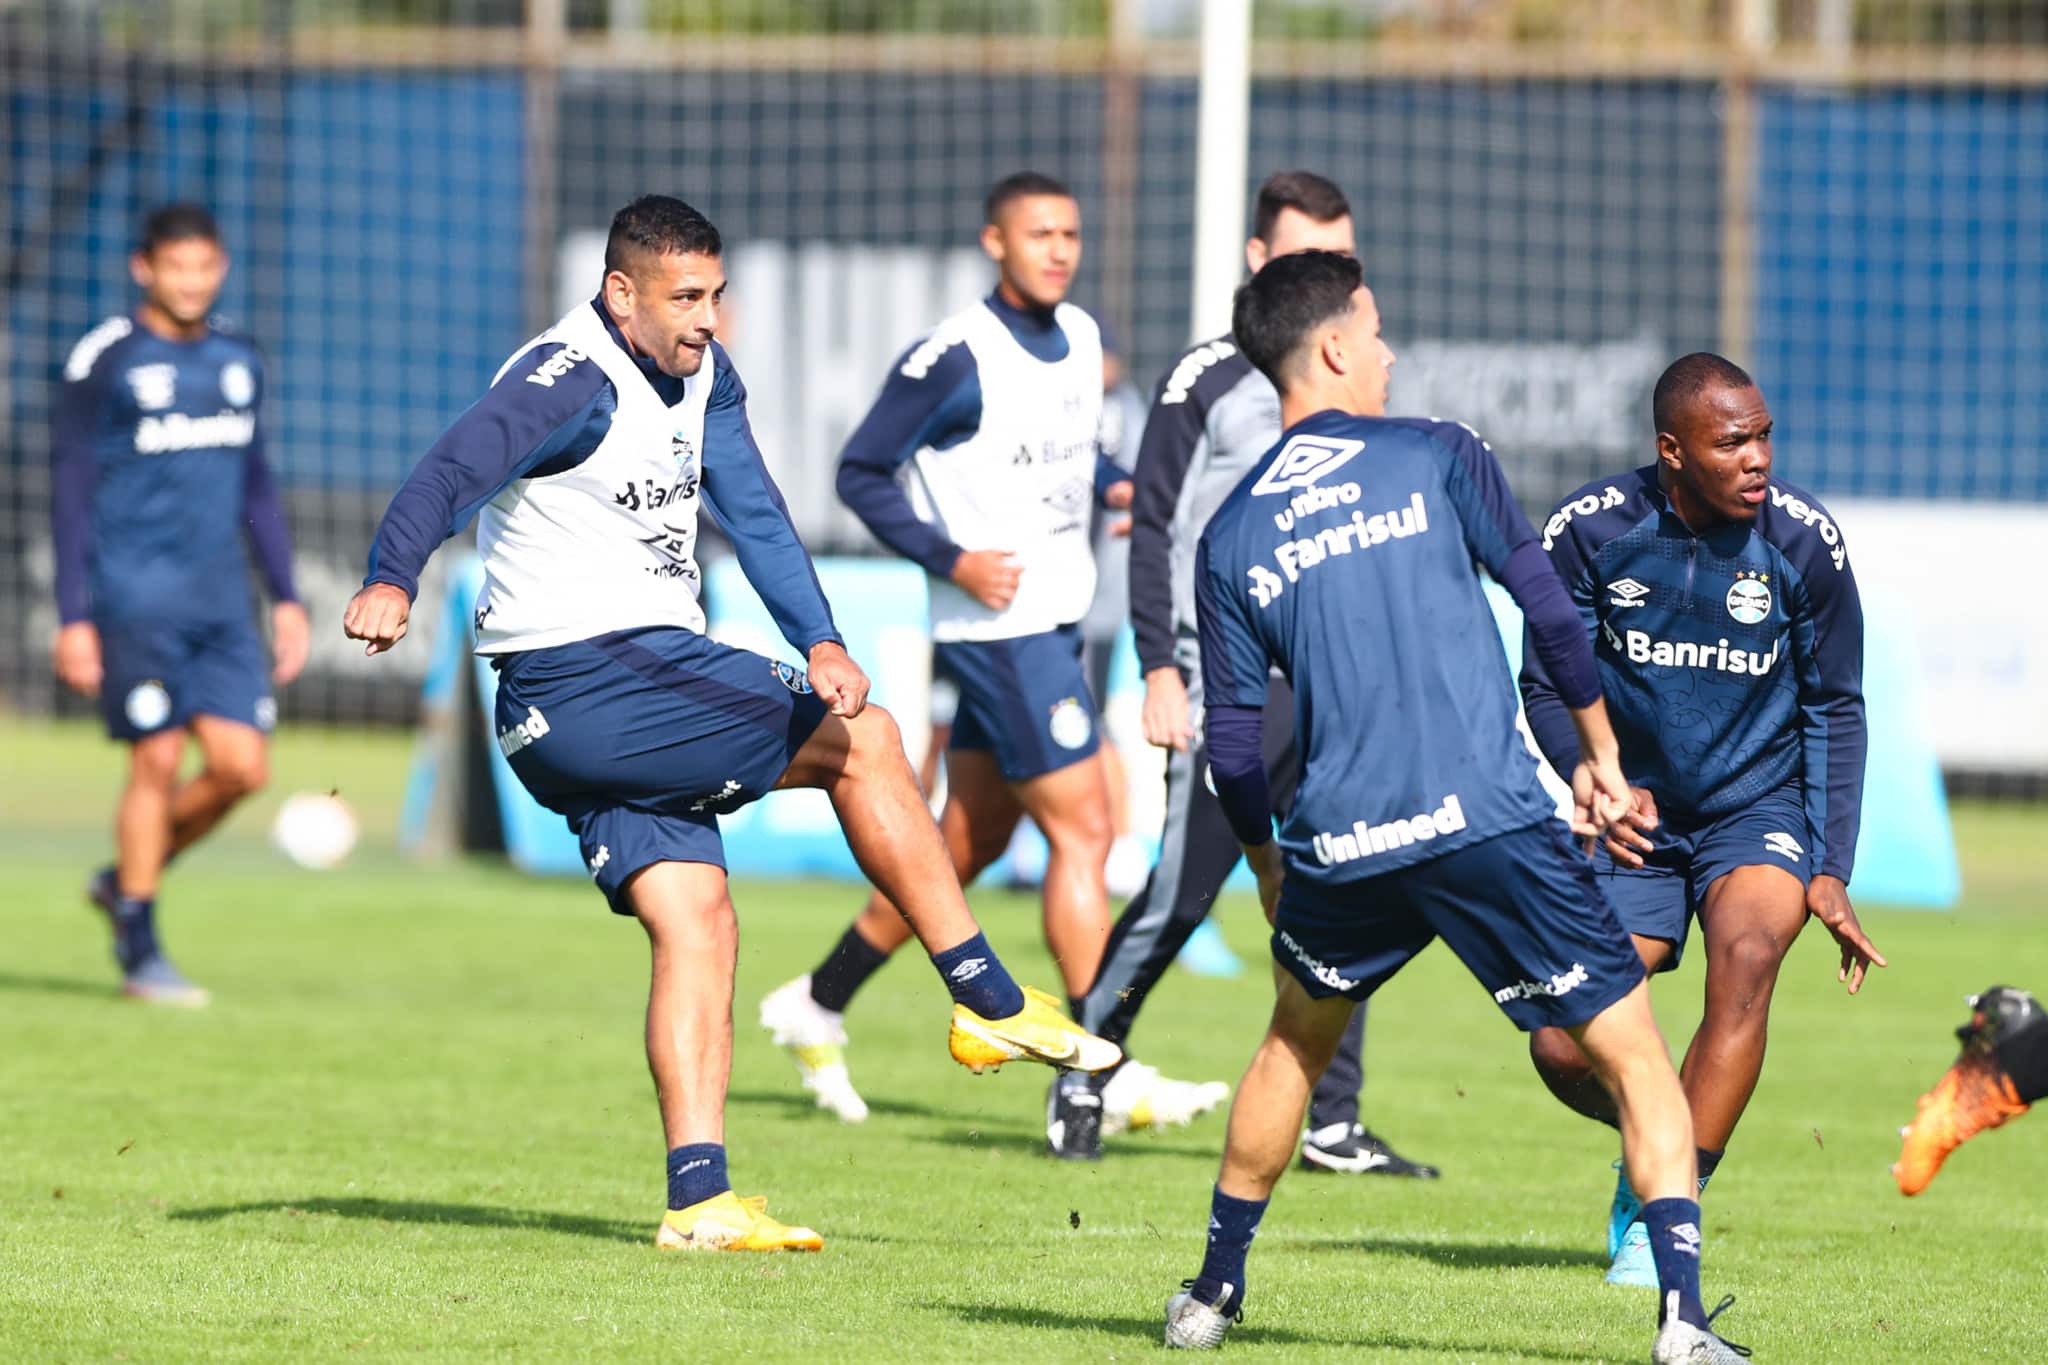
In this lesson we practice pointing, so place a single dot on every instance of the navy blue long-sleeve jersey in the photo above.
(159, 479)
(523, 427)
(1732, 659)
(1346, 559)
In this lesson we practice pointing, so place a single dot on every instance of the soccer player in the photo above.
(590, 458)
(1345, 558)
(159, 480)
(979, 461)
(2002, 1070)
(1213, 416)
(1724, 615)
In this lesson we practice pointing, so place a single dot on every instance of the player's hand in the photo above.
(377, 614)
(837, 680)
(1627, 838)
(1117, 496)
(291, 640)
(1827, 900)
(1600, 795)
(1119, 528)
(1271, 870)
(1165, 717)
(990, 576)
(76, 657)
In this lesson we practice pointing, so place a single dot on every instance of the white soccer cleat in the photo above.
(816, 1038)
(1137, 1096)
(1681, 1343)
(1192, 1325)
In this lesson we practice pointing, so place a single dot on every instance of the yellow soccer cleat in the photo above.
(1039, 1032)
(726, 1222)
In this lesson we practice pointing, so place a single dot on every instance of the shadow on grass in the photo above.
(1034, 1143)
(1250, 1332)
(58, 985)
(803, 1103)
(1460, 1255)
(417, 1211)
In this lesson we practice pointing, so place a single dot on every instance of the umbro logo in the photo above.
(968, 970)
(1784, 845)
(1626, 592)
(604, 855)
(1685, 1237)
(1304, 460)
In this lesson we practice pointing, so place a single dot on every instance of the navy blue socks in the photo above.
(1706, 1162)
(1674, 1228)
(696, 1173)
(1232, 1225)
(978, 979)
(134, 930)
(850, 963)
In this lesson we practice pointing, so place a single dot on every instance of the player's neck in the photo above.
(159, 323)
(1305, 401)
(1006, 295)
(1698, 518)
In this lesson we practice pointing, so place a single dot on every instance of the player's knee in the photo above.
(242, 774)
(877, 740)
(1082, 829)
(153, 762)
(1748, 964)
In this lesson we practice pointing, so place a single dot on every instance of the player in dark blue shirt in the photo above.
(1724, 615)
(160, 489)
(1348, 559)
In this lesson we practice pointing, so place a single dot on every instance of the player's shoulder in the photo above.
(942, 355)
(1078, 323)
(97, 346)
(552, 366)
(1800, 527)
(1594, 513)
(1202, 373)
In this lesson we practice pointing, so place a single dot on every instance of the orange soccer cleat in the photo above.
(1974, 1094)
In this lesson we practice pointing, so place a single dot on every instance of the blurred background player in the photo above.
(590, 458)
(1350, 566)
(2003, 1069)
(1725, 617)
(1212, 418)
(980, 462)
(159, 481)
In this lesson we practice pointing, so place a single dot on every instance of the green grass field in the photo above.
(416, 1124)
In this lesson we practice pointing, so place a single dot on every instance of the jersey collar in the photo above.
(667, 387)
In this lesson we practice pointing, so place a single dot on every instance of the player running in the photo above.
(979, 462)
(159, 478)
(1345, 560)
(1724, 615)
(589, 458)
(1213, 417)
(2003, 1069)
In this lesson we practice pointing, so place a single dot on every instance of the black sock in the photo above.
(850, 963)
(2025, 1059)
(134, 930)
(1706, 1162)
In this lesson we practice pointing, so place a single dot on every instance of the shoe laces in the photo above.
(1716, 1312)
(1236, 1311)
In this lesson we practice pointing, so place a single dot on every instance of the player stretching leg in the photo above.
(1725, 619)
(1345, 560)
(590, 457)
(159, 474)
(1212, 418)
(979, 462)
(2003, 1069)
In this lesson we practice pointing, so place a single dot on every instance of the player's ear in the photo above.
(618, 293)
(1256, 255)
(140, 270)
(1669, 452)
(992, 242)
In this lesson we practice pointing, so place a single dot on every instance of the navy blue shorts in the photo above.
(1521, 910)
(1025, 699)
(642, 737)
(159, 674)
(1661, 899)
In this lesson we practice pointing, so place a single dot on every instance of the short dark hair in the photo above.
(1689, 376)
(1278, 307)
(179, 222)
(1022, 185)
(1303, 191)
(658, 225)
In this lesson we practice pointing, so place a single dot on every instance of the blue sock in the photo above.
(978, 979)
(696, 1173)
(1232, 1225)
(1706, 1161)
(134, 930)
(1674, 1228)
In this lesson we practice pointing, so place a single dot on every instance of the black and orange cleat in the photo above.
(1978, 1091)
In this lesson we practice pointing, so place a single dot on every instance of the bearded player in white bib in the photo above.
(979, 462)
(588, 461)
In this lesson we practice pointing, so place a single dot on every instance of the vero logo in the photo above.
(1304, 460)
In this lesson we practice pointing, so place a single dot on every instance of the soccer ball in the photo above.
(314, 829)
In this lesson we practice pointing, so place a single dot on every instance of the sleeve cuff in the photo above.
(410, 586)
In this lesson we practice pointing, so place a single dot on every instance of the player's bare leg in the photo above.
(1070, 805)
(1563, 1065)
(1265, 1118)
(1749, 920)
(142, 844)
(234, 765)
(1628, 1055)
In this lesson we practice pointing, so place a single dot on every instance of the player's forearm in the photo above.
(1108, 474)
(884, 508)
(1233, 737)
(1555, 631)
(1550, 721)
(269, 531)
(71, 533)
(740, 494)
(1834, 742)
(1151, 594)
(1597, 742)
